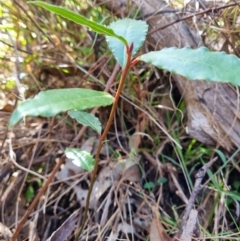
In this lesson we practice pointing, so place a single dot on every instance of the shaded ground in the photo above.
(145, 179)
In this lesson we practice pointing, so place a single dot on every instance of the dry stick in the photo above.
(103, 137)
(193, 15)
(34, 202)
(199, 176)
(187, 233)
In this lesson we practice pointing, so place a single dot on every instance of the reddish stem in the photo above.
(103, 137)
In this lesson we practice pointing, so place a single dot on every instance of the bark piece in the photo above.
(190, 226)
(212, 108)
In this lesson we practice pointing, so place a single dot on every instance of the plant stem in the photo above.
(103, 137)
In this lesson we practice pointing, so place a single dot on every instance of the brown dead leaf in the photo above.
(127, 169)
(135, 139)
(66, 229)
(106, 178)
(157, 231)
(132, 174)
(130, 169)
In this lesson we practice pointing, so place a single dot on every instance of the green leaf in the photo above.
(80, 158)
(51, 102)
(79, 19)
(134, 31)
(236, 184)
(30, 193)
(86, 119)
(161, 180)
(233, 194)
(199, 64)
(149, 185)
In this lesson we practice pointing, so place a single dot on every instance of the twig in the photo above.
(34, 202)
(193, 15)
(199, 176)
(190, 226)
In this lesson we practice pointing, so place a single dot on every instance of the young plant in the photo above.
(124, 38)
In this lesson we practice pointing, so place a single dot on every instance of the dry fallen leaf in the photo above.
(157, 231)
(66, 229)
(108, 176)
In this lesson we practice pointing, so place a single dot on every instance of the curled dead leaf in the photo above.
(157, 231)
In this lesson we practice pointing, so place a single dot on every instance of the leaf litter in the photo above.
(121, 208)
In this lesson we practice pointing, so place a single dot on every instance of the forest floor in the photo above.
(145, 179)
